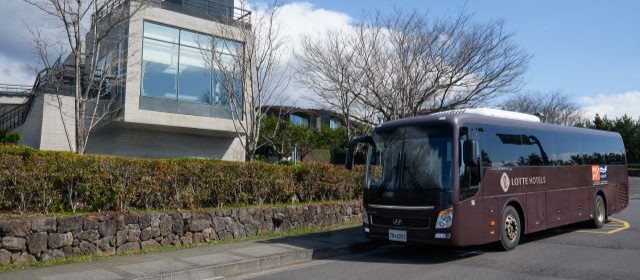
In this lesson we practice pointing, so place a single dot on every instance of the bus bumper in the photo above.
(413, 236)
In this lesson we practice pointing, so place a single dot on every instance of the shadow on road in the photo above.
(345, 243)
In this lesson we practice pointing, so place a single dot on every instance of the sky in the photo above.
(590, 50)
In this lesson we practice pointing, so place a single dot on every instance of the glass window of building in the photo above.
(334, 124)
(177, 66)
(299, 120)
(230, 47)
(195, 78)
(161, 32)
(159, 69)
(196, 40)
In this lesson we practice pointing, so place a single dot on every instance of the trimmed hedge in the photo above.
(44, 181)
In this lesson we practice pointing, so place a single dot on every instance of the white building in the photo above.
(172, 104)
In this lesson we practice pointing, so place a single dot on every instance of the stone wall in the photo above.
(38, 239)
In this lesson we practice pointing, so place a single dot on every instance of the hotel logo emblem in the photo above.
(505, 182)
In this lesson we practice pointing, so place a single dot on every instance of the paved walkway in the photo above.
(208, 262)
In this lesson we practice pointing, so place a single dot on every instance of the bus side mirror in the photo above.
(352, 147)
(470, 150)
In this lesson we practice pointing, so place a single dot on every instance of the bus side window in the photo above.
(469, 175)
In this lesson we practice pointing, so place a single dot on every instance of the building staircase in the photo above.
(16, 101)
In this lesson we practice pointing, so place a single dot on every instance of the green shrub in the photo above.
(9, 137)
(45, 181)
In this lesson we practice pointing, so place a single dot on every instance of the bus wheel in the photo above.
(599, 212)
(511, 227)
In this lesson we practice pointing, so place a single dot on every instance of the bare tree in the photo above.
(327, 67)
(405, 64)
(52, 76)
(93, 32)
(555, 106)
(250, 74)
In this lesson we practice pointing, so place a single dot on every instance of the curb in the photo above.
(262, 263)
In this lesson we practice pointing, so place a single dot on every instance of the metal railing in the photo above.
(205, 9)
(15, 117)
(15, 90)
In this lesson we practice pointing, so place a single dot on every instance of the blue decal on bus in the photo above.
(603, 172)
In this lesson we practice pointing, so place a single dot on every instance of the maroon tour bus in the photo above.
(478, 176)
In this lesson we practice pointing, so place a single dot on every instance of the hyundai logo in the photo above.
(397, 222)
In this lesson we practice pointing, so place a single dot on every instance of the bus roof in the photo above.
(460, 118)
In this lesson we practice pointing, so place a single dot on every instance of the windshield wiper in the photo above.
(414, 182)
(383, 185)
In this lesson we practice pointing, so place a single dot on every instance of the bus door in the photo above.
(469, 210)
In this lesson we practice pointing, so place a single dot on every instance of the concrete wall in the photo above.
(140, 142)
(44, 127)
(54, 135)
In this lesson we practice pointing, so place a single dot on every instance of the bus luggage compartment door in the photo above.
(536, 208)
(558, 210)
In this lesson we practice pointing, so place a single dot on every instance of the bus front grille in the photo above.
(405, 222)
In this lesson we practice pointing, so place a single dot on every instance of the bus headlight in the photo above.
(445, 219)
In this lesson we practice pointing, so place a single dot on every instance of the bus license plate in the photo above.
(398, 235)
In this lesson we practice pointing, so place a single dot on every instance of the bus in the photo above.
(478, 176)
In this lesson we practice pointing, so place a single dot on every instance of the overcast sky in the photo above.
(588, 49)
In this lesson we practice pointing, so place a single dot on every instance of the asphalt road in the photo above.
(572, 252)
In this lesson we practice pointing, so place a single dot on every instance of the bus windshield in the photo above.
(414, 166)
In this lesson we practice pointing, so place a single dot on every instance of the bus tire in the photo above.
(599, 212)
(510, 228)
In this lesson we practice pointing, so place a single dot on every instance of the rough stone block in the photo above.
(70, 224)
(47, 225)
(178, 225)
(107, 228)
(149, 244)
(75, 251)
(209, 234)
(121, 238)
(59, 240)
(23, 258)
(170, 239)
(149, 233)
(37, 243)
(15, 228)
(129, 248)
(166, 225)
(120, 222)
(144, 221)
(87, 247)
(199, 224)
(44, 256)
(132, 227)
(131, 219)
(5, 256)
(218, 224)
(89, 235)
(108, 251)
(57, 254)
(13, 243)
(187, 238)
(106, 246)
(155, 220)
(238, 231)
(198, 237)
(91, 223)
